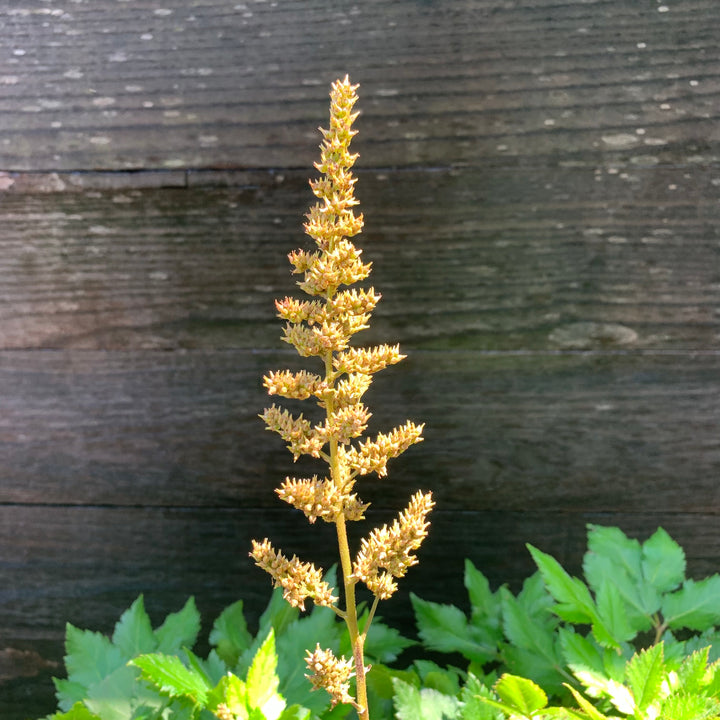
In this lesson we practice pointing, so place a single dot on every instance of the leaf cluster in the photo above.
(633, 595)
(141, 673)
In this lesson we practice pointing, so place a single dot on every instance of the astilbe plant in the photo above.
(322, 327)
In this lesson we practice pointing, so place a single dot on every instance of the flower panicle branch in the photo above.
(330, 673)
(387, 552)
(298, 580)
(323, 327)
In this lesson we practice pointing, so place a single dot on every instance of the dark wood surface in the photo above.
(540, 183)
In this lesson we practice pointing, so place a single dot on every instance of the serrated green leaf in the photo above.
(90, 656)
(533, 650)
(133, 632)
(383, 644)
(445, 628)
(229, 635)
(693, 669)
(78, 711)
(230, 690)
(179, 629)
(278, 614)
(688, 706)
(215, 667)
(195, 663)
(588, 708)
(292, 645)
(645, 673)
(663, 561)
(580, 653)
(599, 685)
(536, 601)
(68, 693)
(695, 606)
(414, 704)
(485, 605)
(612, 543)
(112, 699)
(612, 627)
(472, 705)
(521, 694)
(262, 681)
(574, 602)
(296, 712)
(642, 599)
(168, 674)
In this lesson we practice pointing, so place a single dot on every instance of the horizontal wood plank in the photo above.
(107, 85)
(560, 432)
(494, 260)
(86, 565)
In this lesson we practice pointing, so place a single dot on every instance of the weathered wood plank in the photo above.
(499, 259)
(86, 565)
(504, 432)
(107, 85)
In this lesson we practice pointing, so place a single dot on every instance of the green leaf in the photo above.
(262, 680)
(695, 606)
(112, 699)
(179, 629)
(414, 704)
(485, 605)
(383, 644)
(521, 694)
(473, 707)
(600, 685)
(580, 653)
(590, 710)
(296, 712)
(693, 669)
(443, 679)
(533, 651)
(229, 634)
(688, 706)
(612, 544)
(77, 712)
(574, 602)
(645, 673)
(613, 627)
(292, 645)
(278, 614)
(232, 691)
(133, 632)
(663, 562)
(68, 693)
(172, 678)
(613, 558)
(90, 656)
(445, 628)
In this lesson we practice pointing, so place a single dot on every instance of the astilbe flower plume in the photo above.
(323, 327)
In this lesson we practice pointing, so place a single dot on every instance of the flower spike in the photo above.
(323, 326)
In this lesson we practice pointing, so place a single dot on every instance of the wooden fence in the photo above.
(540, 184)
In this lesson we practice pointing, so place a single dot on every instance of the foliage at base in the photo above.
(634, 638)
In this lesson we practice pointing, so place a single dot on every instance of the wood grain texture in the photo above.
(504, 432)
(556, 259)
(108, 85)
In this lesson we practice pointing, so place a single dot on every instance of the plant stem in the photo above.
(357, 640)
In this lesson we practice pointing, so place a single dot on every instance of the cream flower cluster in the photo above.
(330, 673)
(323, 327)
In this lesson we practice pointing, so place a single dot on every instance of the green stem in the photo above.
(357, 640)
